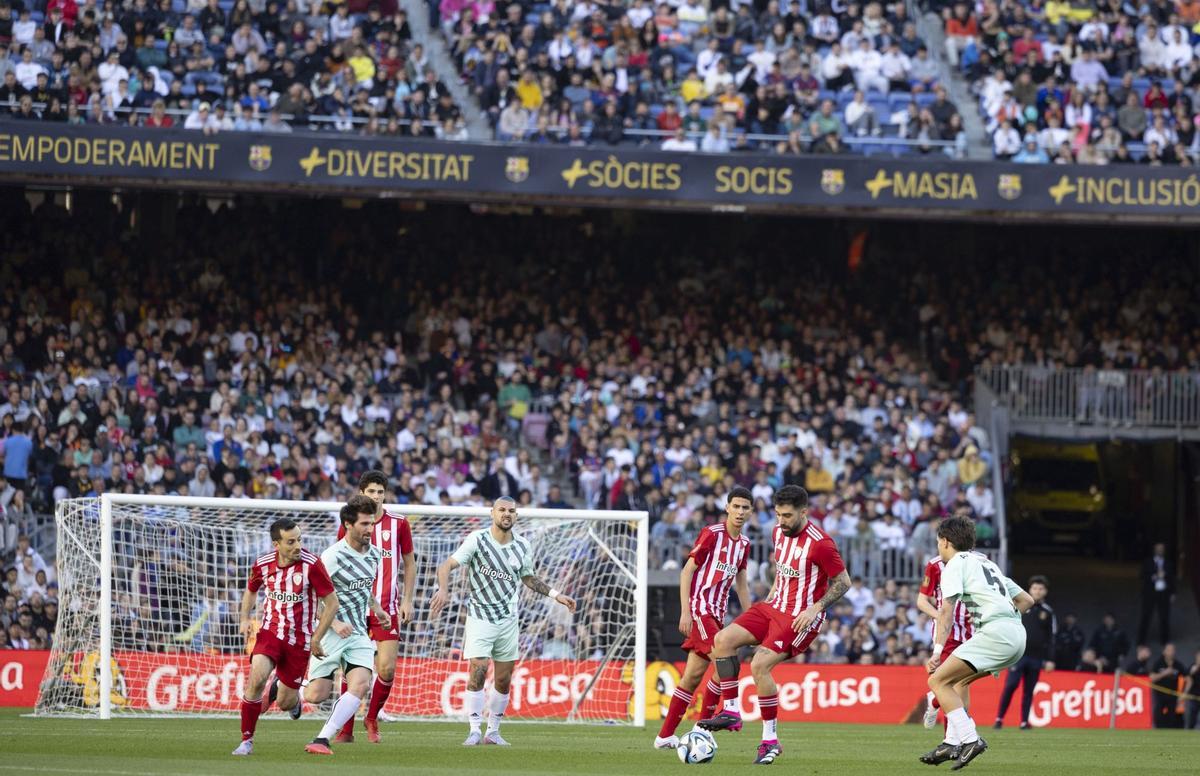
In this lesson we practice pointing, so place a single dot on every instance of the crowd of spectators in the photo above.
(222, 65)
(466, 368)
(786, 77)
(1108, 82)
(28, 598)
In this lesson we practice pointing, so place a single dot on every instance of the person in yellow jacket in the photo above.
(529, 92)
(971, 467)
(692, 88)
(363, 67)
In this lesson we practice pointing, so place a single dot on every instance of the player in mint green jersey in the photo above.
(995, 604)
(498, 562)
(352, 564)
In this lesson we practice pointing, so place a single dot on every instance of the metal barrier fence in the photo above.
(1152, 398)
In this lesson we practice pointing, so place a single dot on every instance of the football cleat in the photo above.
(999, 724)
(294, 712)
(245, 748)
(767, 752)
(930, 718)
(494, 739)
(474, 739)
(372, 726)
(343, 738)
(944, 752)
(725, 720)
(968, 752)
(670, 742)
(319, 746)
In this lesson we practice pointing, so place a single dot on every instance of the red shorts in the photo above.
(949, 647)
(773, 629)
(704, 630)
(291, 660)
(378, 633)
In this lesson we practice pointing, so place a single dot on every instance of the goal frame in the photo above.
(108, 500)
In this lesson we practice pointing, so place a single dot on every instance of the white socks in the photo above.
(475, 708)
(960, 727)
(496, 712)
(343, 710)
(769, 730)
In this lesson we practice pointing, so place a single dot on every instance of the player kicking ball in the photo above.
(809, 577)
(929, 601)
(498, 562)
(393, 536)
(716, 563)
(995, 604)
(352, 563)
(295, 580)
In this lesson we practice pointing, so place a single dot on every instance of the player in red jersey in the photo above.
(929, 600)
(393, 536)
(809, 577)
(716, 563)
(296, 582)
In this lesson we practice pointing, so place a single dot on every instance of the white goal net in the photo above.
(150, 587)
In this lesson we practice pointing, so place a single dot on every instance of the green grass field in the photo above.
(180, 747)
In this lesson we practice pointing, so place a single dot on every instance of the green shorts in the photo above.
(995, 646)
(495, 640)
(357, 649)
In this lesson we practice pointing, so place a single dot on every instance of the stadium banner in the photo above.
(21, 674)
(181, 682)
(617, 176)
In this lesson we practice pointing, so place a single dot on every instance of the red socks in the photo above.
(679, 706)
(379, 695)
(250, 712)
(712, 699)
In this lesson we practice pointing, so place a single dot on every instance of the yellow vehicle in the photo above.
(1058, 495)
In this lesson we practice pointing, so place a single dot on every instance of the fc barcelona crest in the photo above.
(516, 168)
(833, 181)
(1009, 186)
(260, 157)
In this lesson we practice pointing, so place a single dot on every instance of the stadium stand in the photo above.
(223, 65)
(1092, 83)
(775, 76)
(646, 385)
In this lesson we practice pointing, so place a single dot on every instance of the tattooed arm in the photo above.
(837, 588)
(538, 586)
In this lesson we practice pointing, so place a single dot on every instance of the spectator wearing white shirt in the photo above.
(982, 500)
(859, 596)
(1053, 136)
(1006, 141)
(825, 27)
(718, 78)
(907, 508)
(639, 13)
(28, 70)
(341, 26)
(1152, 51)
(707, 60)
(851, 39)
(1079, 112)
(111, 73)
(692, 17)
(1087, 72)
(896, 67)
(860, 117)
(762, 60)
(1159, 133)
(835, 69)
(890, 533)
(1178, 52)
(716, 140)
(867, 64)
(23, 28)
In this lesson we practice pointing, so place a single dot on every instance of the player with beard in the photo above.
(809, 577)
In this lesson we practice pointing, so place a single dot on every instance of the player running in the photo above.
(809, 577)
(496, 560)
(929, 600)
(353, 564)
(716, 563)
(295, 581)
(393, 536)
(994, 602)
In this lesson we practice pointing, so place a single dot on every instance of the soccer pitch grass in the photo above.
(183, 747)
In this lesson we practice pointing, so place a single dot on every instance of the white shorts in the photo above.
(497, 641)
(342, 653)
(995, 646)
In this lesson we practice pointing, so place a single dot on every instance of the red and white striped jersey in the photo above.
(392, 535)
(719, 557)
(292, 593)
(931, 586)
(804, 564)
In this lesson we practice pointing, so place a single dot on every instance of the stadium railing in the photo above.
(1153, 399)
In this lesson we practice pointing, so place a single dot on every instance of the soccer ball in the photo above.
(696, 747)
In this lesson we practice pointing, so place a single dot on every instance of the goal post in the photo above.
(150, 587)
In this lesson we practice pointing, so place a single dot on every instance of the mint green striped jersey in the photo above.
(494, 574)
(353, 575)
(982, 587)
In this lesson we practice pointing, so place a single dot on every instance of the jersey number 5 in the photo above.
(996, 583)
